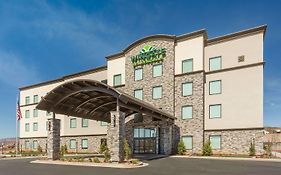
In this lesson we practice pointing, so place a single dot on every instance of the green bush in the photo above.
(135, 161)
(107, 155)
(252, 149)
(63, 150)
(103, 147)
(207, 149)
(39, 149)
(96, 160)
(127, 149)
(268, 148)
(181, 148)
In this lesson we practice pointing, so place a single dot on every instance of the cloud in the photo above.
(14, 72)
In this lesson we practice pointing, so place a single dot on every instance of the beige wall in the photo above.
(251, 47)
(191, 48)
(114, 67)
(94, 127)
(241, 99)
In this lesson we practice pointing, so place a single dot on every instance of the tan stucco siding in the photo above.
(249, 46)
(191, 48)
(241, 99)
(114, 67)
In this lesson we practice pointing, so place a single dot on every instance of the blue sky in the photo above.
(42, 40)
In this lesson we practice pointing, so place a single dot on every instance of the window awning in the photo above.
(94, 100)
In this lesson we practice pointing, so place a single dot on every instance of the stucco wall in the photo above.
(114, 67)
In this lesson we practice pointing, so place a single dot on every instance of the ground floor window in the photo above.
(26, 144)
(35, 144)
(215, 141)
(188, 142)
(72, 144)
(84, 143)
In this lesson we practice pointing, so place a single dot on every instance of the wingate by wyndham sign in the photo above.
(148, 55)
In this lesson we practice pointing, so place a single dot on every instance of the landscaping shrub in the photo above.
(127, 149)
(96, 160)
(103, 147)
(135, 161)
(252, 149)
(181, 148)
(63, 150)
(267, 148)
(107, 155)
(207, 149)
(39, 149)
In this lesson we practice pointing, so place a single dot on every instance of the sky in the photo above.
(43, 40)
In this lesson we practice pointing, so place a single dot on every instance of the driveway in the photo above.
(171, 166)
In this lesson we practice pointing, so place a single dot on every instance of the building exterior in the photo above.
(213, 87)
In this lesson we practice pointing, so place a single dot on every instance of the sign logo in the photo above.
(147, 55)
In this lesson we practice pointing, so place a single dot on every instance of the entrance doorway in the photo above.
(145, 141)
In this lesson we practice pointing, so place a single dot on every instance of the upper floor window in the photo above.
(27, 100)
(187, 65)
(215, 111)
(84, 144)
(85, 123)
(187, 89)
(215, 63)
(215, 87)
(138, 94)
(35, 112)
(157, 70)
(27, 114)
(117, 80)
(157, 92)
(27, 127)
(35, 126)
(186, 112)
(187, 140)
(35, 99)
(215, 141)
(73, 123)
(102, 123)
(138, 74)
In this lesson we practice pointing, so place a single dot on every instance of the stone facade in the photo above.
(53, 139)
(42, 141)
(194, 126)
(238, 141)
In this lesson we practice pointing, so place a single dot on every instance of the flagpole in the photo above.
(17, 141)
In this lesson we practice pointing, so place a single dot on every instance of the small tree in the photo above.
(107, 155)
(268, 148)
(63, 150)
(39, 149)
(103, 147)
(207, 149)
(181, 148)
(127, 149)
(252, 149)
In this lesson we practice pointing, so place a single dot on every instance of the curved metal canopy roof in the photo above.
(94, 100)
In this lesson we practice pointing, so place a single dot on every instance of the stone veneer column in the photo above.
(166, 139)
(53, 140)
(116, 136)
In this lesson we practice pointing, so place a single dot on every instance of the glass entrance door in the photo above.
(144, 140)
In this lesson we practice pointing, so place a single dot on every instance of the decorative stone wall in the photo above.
(238, 141)
(53, 139)
(116, 136)
(190, 127)
(42, 141)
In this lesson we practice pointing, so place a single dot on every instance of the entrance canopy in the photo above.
(94, 100)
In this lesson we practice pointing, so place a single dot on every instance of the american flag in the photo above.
(19, 116)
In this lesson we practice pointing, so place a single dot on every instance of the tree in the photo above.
(181, 148)
(127, 149)
(207, 149)
(103, 147)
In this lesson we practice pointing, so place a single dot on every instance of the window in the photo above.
(72, 144)
(27, 100)
(35, 112)
(157, 92)
(215, 141)
(73, 123)
(26, 144)
(35, 144)
(27, 127)
(215, 63)
(103, 123)
(84, 143)
(35, 126)
(215, 111)
(215, 87)
(117, 80)
(187, 89)
(187, 140)
(85, 123)
(27, 114)
(187, 65)
(35, 99)
(157, 70)
(138, 94)
(186, 112)
(138, 74)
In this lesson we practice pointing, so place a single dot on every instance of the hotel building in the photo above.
(202, 89)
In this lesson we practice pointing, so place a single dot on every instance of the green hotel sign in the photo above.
(148, 55)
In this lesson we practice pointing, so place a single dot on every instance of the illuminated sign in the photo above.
(148, 55)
